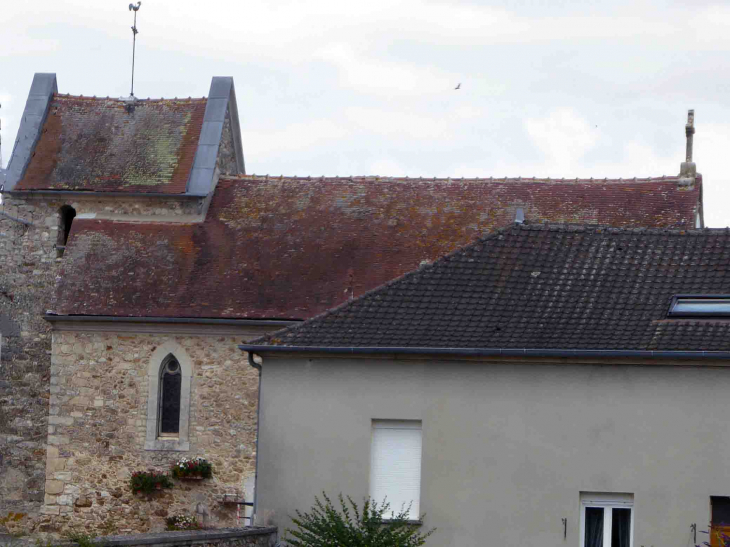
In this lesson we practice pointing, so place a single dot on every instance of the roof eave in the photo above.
(53, 318)
(96, 194)
(490, 352)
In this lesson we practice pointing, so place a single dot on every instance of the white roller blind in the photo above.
(395, 465)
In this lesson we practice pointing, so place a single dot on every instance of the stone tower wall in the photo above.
(97, 430)
(28, 268)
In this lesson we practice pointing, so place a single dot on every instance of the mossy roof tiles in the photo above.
(102, 145)
(291, 248)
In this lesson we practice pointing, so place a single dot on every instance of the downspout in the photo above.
(255, 365)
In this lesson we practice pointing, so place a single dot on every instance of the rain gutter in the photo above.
(490, 352)
(179, 320)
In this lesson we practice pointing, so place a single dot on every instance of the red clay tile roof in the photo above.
(541, 287)
(291, 248)
(96, 144)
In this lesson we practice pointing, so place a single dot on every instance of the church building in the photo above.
(137, 254)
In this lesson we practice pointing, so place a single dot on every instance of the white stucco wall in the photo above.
(507, 448)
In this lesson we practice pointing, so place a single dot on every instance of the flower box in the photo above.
(233, 498)
(146, 482)
(192, 469)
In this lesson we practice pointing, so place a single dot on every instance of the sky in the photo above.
(550, 88)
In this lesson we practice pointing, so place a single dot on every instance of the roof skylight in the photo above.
(707, 305)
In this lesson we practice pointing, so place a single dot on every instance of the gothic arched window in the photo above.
(169, 375)
(169, 398)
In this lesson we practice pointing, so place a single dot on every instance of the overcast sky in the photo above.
(548, 88)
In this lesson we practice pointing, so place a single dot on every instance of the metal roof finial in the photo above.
(135, 9)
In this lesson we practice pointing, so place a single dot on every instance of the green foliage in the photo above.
(81, 539)
(149, 481)
(327, 526)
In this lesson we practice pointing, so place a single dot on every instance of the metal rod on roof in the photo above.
(135, 9)
(690, 131)
(5, 215)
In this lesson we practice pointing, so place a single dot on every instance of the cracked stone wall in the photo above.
(97, 430)
(28, 268)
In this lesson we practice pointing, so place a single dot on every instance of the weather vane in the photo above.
(135, 9)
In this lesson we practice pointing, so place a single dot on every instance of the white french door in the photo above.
(606, 520)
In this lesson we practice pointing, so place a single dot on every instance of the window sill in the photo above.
(167, 444)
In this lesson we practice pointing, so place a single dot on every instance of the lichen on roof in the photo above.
(290, 248)
(102, 144)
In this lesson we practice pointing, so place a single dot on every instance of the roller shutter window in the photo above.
(395, 465)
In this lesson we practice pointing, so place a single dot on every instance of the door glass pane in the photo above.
(720, 510)
(621, 528)
(594, 527)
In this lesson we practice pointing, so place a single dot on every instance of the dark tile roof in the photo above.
(542, 287)
(291, 248)
(98, 144)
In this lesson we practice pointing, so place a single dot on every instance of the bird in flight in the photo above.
(458, 86)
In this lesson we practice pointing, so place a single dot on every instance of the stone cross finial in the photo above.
(688, 169)
(690, 131)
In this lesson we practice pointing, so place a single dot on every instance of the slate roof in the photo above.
(98, 144)
(541, 286)
(291, 248)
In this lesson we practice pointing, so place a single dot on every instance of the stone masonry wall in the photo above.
(251, 536)
(97, 430)
(226, 161)
(28, 268)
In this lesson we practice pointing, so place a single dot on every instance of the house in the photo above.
(545, 385)
(134, 247)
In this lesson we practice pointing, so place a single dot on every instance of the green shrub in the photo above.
(325, 526)
(149, 481)
(81, 539)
